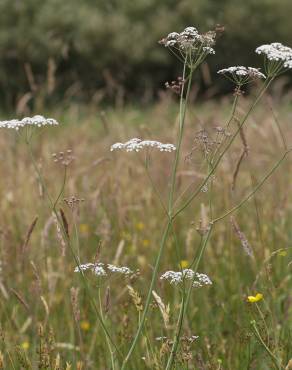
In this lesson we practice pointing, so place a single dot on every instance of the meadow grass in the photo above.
(47, 321)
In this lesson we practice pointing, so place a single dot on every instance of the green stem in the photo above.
(242, 122)
(256, 188)
(52, 206)
(177, 335)
(184, 306)
(148, 299)
(182, 113)
(183, 105)
(273, 357)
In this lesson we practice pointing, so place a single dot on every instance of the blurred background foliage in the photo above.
(96, 50)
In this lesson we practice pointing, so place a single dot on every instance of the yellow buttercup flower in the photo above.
(146, 243)
(25, 345)
(85, 325)
(256, 298)
(184, 264)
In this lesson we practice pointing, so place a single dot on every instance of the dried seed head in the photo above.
(73, 202)
(175, 86)
(64, 158)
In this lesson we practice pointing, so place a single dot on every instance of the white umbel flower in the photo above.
(241, 75)
(177, 277)
(35, 121)
(189, 45)
(122, 270)
(99, 269)
(277, 52)
(96, 268)
(135, 145)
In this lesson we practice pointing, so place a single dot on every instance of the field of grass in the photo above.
(47, 317)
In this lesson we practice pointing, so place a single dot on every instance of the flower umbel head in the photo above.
(35, 121)
(278, 58)
(256, 298)
(177, 277)
(241, 75)
(96, 268)
(135, 145)
(189, 45)
(100, 269)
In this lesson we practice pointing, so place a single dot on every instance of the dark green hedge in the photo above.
(105, 44)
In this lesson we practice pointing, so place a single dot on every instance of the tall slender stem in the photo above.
(52, 206)
(217, 162)
(185, 304)
(256, 188)
(182, 114)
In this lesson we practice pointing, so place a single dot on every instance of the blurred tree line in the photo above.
(100, 49)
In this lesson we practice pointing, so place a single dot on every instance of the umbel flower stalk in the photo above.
(191, 49)
(27, 127)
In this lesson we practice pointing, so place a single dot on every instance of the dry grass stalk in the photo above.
(137, 300)
(165, 310)
(28, 234)
(65, 222)
(20, 298)
(75, 303)
(107, 300)
(243, 240)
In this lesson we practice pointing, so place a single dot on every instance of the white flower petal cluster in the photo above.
(122, 270)
(177, 277)
(37, 121)
(277, 52)
(99, 269)
(242, 71)
(135, 145)
(96, 268)
(190, 38)
(190, 339)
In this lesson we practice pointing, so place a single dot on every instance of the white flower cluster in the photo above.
(37, 121)
(177, 277)
(190, 38)
(99, 269)
(242, 71)
(190, 339)
(135, 145)
(277, 52)
(96, 268)
(122, 270)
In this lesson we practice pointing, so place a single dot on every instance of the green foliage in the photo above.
(109, 44)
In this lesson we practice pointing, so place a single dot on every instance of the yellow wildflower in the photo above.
(146, 243)
(282, 253)
(183, 264)
(256, 298)
(140, 226)
(25, 345)
(85, 325)
(84, 229)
